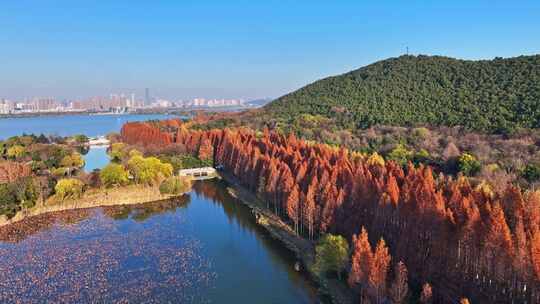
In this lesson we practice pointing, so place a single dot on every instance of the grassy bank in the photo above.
(127, 195)
(304, 249)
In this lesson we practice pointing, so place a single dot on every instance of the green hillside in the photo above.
(489, 95)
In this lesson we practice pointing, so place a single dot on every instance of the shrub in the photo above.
(134, 152)
(400, 155)
(422, 156)
(148, 170)
(25, 190)
(175, 161)
(375, 160)
(80, 138)
(332, 254)
(175, 185)
(116, 151)
(113, 174)
(190, 161)
(15, 195)
(16, 151)
(531, 172)
(468, 164)
(69, 187)
(421, 132)
(73, 160)
(54, 155)
(492, 167)
(60, 172)
(8, 201)
(37, 165)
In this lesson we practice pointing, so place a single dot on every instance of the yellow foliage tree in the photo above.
(375, 160)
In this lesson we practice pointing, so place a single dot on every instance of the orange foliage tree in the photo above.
(464, 235)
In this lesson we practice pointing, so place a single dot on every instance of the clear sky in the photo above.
(255, 48)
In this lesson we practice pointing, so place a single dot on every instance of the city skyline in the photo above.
(73, 50)
(116, 102)
(140, 93)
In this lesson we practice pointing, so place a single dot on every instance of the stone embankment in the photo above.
(304, 249)
(128, 195)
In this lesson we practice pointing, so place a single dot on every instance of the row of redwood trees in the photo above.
(462, 238)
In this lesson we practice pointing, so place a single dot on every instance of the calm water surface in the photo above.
(95, 158)
(203, 248)
(66, 125)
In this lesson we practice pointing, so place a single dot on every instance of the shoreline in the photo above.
(127, 195)
(304, 249)
(40, 114)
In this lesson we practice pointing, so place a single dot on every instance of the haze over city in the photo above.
(240, 49)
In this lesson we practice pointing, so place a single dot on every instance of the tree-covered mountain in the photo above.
(488, 95)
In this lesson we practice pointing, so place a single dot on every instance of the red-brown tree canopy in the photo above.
(440, 227)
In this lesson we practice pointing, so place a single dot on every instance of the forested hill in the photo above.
(488, 95)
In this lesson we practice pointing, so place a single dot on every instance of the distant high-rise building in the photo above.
(147, 97)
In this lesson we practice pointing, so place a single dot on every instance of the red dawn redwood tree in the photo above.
(206, 150)
(379, 271)
(292, 205)
(535, 253)
(361, 261)
(453, 225)
(426, 296)
(400, 286)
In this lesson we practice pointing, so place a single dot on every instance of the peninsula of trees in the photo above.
(40, 173)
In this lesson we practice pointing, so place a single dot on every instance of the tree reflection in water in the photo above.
(142, 212)
(195, 249)
(21, 230)
(105, 255)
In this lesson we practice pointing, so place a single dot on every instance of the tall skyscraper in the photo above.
(147, 97)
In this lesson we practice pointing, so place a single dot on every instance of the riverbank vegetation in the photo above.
(148, 138)
(34, 169)
(30, 166)
(442, 230)
(175, 185)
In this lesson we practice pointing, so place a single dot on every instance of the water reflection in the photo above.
(96, 158)
(202, 248)
(143, 212)
(90, 125)
(83, 150)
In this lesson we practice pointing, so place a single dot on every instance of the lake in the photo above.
(202, 248)
(95, 158)
(66, 125)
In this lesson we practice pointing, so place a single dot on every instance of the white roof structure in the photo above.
(199, 173)
(100, 141)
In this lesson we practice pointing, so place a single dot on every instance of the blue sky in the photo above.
(183, 49)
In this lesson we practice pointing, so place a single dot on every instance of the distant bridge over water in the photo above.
(98, 141)
(199, 173)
